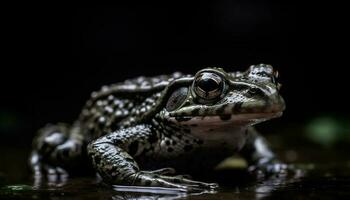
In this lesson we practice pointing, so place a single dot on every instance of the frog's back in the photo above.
(120, 105)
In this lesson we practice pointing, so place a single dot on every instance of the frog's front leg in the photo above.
(260, 158)
(112, 157)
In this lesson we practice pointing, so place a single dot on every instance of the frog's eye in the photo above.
(208, 86)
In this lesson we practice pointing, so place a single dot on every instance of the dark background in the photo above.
(54, 56)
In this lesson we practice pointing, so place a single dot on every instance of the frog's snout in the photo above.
(263, 101)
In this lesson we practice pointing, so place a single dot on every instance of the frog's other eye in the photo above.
(177, 98)
(208, 86)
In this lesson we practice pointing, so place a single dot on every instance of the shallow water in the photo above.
(321, 183)
(327, 177)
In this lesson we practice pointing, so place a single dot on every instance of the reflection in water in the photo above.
(148, 196)
(258, 189)
(53, 183)
(319, 182)
(50, 180)
(265, 187)
(159, 193)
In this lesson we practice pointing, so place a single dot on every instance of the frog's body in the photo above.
(189, 123)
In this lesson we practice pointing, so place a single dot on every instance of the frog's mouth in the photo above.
(237, 113)
(234, 119)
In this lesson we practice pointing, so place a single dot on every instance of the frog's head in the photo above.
(214, 96)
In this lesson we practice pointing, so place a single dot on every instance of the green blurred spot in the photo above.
(327, 130)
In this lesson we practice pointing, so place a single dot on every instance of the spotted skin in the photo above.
(132, 132)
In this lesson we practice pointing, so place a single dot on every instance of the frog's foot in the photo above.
(45, 174)
(65, 155)
(41, 168)
(276, 168)
(54, 150)
(146, 178)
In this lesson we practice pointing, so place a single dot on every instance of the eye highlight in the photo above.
(208, 86)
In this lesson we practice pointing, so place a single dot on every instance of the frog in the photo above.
(152, 131)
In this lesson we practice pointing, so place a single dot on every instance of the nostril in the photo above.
(256, 92)
(253, 91)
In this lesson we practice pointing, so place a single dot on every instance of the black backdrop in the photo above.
(55, 55)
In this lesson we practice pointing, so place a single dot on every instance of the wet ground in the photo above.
(327, 176)
(324, 180)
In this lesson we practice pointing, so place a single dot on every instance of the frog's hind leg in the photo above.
(56, 149)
